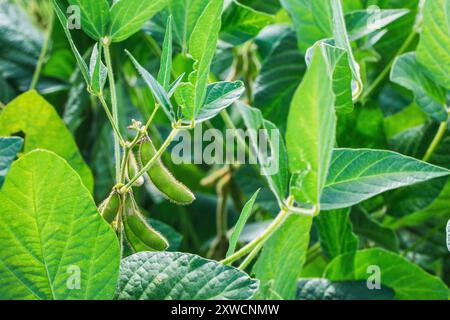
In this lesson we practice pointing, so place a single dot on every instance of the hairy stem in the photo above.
(436, 141)
(371, 89)
(115, 113)
(279, 220)
(43, 54)
(251, 257)
(111, 119)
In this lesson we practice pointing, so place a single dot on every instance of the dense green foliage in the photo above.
(351, 95)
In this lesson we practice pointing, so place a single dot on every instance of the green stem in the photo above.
(388, 67)
(250, 257)
(279, 220)
(436, 141)
(111, 119)
(115, 113)
(230, 125)
(45, 46)
(158, 154)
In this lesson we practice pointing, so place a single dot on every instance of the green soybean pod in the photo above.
(162, 178)
(133, 169)
(110, 207)
(140, 235)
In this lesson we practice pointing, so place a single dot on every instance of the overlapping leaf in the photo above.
(181, 276)
(55, 244)
(43, 129)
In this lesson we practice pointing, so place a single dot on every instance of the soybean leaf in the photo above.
(435, 210)
(312, 116)
(336, 233)
(37, 119)
(359, 174)
(283, 256)
(185, 16)
(9, 147)
(243, 218)
(432, 53)
(406, 279)
(269, 6)
(181, 276)
(273, 167)
(323, 289)
(342, 41)
(157, 90)
(21, 43)
(280, 75)
(241, 23)
(94, 16)
(97, 70)
(308, 30)
(361, 23)
(128, 17)
(219, 96)
(429, 96)
(342, 75)
(81, 63)
(165, 70)
(44, 201)
(202, 47)
(174, 85)
(366, 226)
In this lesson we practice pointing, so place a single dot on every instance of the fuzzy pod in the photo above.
(140, 235)
(162, 178)
(110, 207)
(133, 169)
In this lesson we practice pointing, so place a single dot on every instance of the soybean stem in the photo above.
(149, 164)
(388, 67)
(115, 114)
(279, 220)
(45, 46)
(436, 141)
(250, 257)
(111, 119)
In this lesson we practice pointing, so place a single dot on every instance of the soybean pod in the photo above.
(133, 169)
(162, 178)
(139, 234)
(110, 207)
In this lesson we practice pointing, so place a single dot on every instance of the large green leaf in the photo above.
(185, 15)
(433, 54)
(366, 226)
(306, 21)
(358, 174)
(361, 23)
(323, 289)
(280, 75)
(429, 96)
(94, 17)
(35, 117)
(21, 44)
(407, 279)
(283, 256)
(336, 233)
(181, 276)
(241, 23)
(9, 147)
(128, 16)
(311, 128)
(51, 233)
(202, 47)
